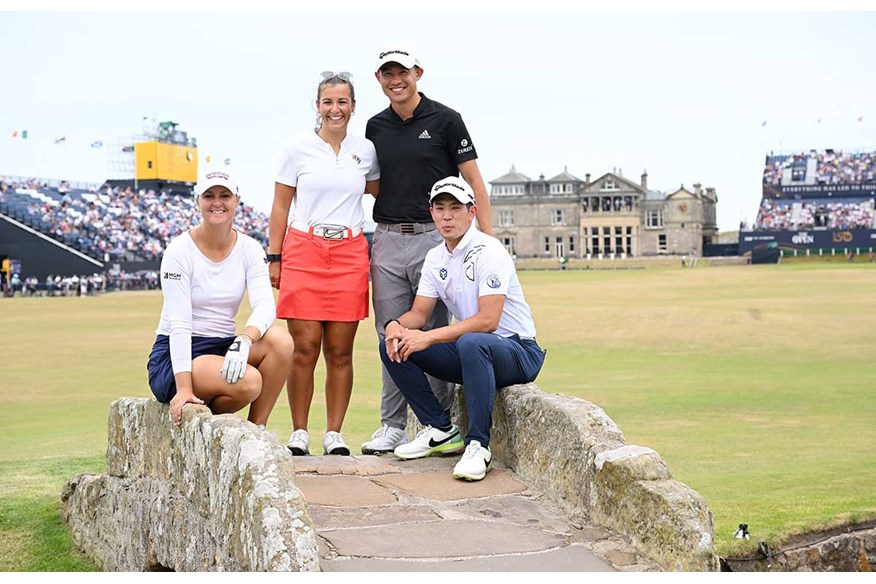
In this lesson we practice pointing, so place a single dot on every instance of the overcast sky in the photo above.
(691, 97)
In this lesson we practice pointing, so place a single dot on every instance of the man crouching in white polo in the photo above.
(490, 345)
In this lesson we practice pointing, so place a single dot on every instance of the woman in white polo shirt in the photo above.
(197, 357)
(320, 262)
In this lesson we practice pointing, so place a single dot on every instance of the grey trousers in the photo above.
(396, 263)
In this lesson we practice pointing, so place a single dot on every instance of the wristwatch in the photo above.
(273, 257)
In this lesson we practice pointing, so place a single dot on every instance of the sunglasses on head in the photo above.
(344, 75)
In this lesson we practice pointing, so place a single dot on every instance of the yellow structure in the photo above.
(162, 161)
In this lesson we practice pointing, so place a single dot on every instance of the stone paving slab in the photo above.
(339, 517)
(343, 491)
(381, 513)
(514, 509)
(574, 558)
(364, 465)
(446, 463)
(441, 486)
(442, 539)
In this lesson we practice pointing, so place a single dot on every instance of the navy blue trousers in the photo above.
(480, 361)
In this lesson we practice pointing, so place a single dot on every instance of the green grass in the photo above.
(753, 382)
(33, 537)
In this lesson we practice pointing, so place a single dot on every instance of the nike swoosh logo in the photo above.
(433, 444)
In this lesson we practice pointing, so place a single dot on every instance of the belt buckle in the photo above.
(333, 232)
(407, 228)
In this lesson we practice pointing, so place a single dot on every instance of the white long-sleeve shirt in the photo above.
(202, 297)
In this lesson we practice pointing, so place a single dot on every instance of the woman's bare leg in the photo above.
(307, 335)
(271, 355)
(338, 351)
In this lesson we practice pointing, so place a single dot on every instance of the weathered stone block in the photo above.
(665, 519)
(212, 494)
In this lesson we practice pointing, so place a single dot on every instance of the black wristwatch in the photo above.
(273, 257)
(389, 321)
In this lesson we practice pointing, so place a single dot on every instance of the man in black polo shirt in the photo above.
(418, 142)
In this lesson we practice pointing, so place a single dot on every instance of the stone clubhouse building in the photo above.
(609, 217)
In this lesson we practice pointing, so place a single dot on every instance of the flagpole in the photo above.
(136, 183)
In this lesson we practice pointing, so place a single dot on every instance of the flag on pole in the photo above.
(61, 140)
(22, 134)
(97, 144)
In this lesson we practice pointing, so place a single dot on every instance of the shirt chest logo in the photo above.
(424, 135)
(357, 159)
(442, 273)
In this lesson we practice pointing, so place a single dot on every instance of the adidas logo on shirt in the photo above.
(425, 135)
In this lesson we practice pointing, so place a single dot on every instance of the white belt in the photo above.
(327, 231)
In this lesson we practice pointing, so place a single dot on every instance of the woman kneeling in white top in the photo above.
(196, 357)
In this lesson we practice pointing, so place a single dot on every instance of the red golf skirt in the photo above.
(323, 279)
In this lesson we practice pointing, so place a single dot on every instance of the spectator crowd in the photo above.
(113, 224)
(832, 168)
(75, 285)
(777, 215)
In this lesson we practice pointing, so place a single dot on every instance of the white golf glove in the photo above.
(234, 367)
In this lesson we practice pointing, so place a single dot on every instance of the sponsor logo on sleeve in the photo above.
(442, 273)
(465, 147)
(494, 282)
(171, 276)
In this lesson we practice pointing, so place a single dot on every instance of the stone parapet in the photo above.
(209, 495)
(574, 452)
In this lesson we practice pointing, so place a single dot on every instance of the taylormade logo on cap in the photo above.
(456, 187)
(445, 185)
(401, 56)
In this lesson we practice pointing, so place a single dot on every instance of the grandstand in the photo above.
(816, 202)
(97, 228)
(58, 228)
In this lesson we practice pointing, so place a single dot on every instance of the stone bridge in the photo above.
(216, 494)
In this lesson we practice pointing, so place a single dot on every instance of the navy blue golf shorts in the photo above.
(161, 380)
